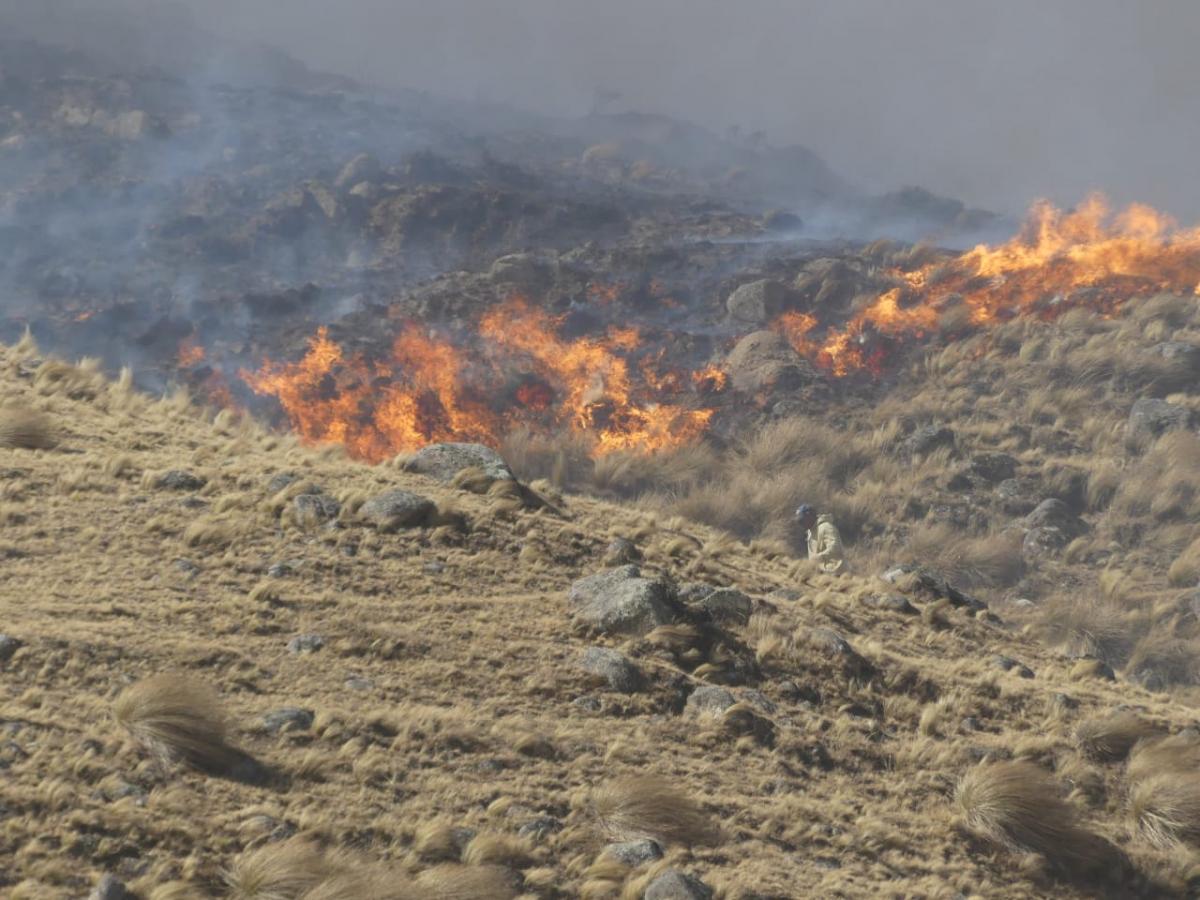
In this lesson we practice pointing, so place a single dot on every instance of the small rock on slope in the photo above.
(614, 667)
(396, 509)
(676, 885)
(621, 601)
(444, 461)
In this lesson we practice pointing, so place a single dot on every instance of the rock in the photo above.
(179, 480)
(109, 887)
(675, 885)
(1015, 498)
(1150, 417)
(315, 509)
(764, 360)
(1187, 354)
(709, 699)
(834, 645)
(288, 718)
(8, 646)
(518, 268)
(186, 568)
(757, 698)
(1053, 513)
(634, 853)
(587, 704)
(889, 603)
(614, 667)
(1043, 541)
(1064, 701)
(537, 830)
(305, 643)
(357, 683)
(444, 461)
(1008, 664)
(279, 481)
(758, 302)
(283, 569)
(621, 601)
(396, 509)
(970, 723)
(727, 605)
(622, 551)
(926, 439)
(992, 467)
(917, 579)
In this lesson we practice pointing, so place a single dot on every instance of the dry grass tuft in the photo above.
(373, 883)
(646, 806)
(177, 718)
(22, 428)
(451, 882)
(1019, 805)
(500, 849)
(1166, 808)
(1176, 753)
(212, 532)
(1110, 738)
(287, 870)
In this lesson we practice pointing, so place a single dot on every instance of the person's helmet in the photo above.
(804, 511)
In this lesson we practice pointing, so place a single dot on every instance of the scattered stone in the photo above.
(279, 481)
(799, 693)
(109, 887)
(587, 703)
(1053, 513)
(634, 853)
(288, 718)
(435, 567)
(1008, 664)
(1150, 417)
(993, 467)
(193, 503)
(614, 667)
(917, 579)
(925, 440)
(8, 646)
(179, 480)
(622, 601)
(396, 509)
(1043, 541)
(834, 645)
(622, 551)
(709, 699)
(1187, 354)
(1064, 701)
(675, 885)
(755, 697)
(537, 830)
(727, 605)
(763, 361)
(970, 723)
(889, 603)
(758, 302)
(357, 683)
(444, 461)
(283, 569)
(315, 509)
(305, 643)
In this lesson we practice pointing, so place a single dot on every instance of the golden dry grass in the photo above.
(1166, 807)
(647, 806)
(176, 717)
(1110, 738)
(26, 429)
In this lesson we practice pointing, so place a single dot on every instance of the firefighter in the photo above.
(824, 540)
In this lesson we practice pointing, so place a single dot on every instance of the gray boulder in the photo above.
(634, 853)
(710, 700)
(676, 885)
(1187, 354)
(1053, 513)
(305, 643)
(758, 302)
(396, 509)
(925, 440)
(992, 467)
(614, 667)
(444, 461)
(621, 601)
(179, 480)
(315, 509)
(1150, 417)
(288, 718)
(8, 646)
(726, 605)
(109, 887)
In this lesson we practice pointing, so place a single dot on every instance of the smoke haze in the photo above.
(992, 103)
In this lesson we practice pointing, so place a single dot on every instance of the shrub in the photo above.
(645, 806)
(26, 429)
(179, 719)
(1110, 738)
(1166, 808)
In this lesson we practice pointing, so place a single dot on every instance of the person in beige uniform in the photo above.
(824, 539)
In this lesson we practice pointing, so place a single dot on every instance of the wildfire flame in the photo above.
(190, 353)
(522, 374)
(1059, 260)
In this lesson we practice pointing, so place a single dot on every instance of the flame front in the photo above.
(521, 374)
(1058, 261)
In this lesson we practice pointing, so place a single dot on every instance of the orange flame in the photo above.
(431, 390)
(190, 353)
(1059, 260)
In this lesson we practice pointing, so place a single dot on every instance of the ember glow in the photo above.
(515, 371)
(1089, 257)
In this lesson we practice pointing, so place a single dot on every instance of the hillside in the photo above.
(443, 726)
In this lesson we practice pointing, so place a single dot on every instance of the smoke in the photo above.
(994, 103)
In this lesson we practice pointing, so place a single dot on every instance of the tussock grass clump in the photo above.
(1166, 808)
(1110, 738)
(1019, 805)
(360, 884)
(646, 806)
(22, 428)
(177, 718)
(212, 532)
(1176, 753)
(286, 870)
(451, 882)
(1185, 570)
(987, 561)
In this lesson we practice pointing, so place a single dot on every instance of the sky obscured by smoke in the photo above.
(994, 103)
